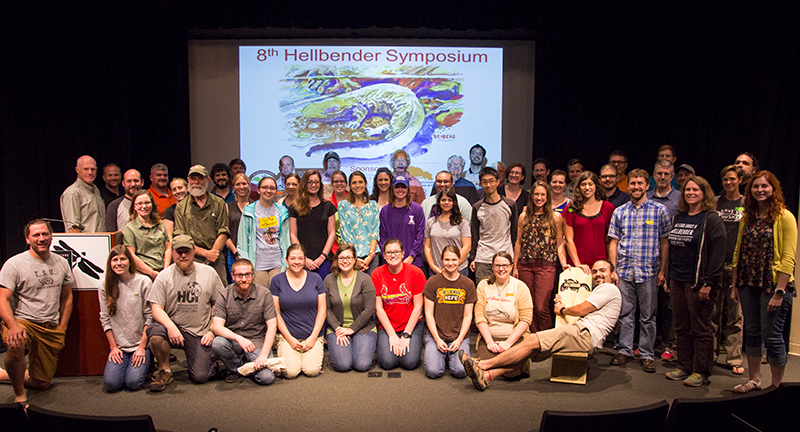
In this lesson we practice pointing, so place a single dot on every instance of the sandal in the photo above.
(747, 387)
(737, 370)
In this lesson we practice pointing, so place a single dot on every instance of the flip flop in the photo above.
(737, 370)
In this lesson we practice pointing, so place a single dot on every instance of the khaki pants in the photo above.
(309, 362)
(42, 344)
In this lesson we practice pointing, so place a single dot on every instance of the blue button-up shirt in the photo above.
(639, 230)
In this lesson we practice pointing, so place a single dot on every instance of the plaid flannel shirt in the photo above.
(639, 231)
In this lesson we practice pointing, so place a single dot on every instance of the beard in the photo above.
(197, 190)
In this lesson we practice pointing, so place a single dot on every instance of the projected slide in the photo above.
(366, 102)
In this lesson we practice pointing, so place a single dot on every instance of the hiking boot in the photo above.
(160, 381)
(474, 370)
(677, 375)
(695, 380)
(620, 359)
(649, 365)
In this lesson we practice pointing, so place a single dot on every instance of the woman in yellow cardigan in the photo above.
(503, 314)
(763, 269)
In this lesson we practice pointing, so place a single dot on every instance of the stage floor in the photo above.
(353, 401)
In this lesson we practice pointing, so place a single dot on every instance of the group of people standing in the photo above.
(388, 272)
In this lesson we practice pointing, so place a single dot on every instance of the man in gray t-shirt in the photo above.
(493, 226)
(245, 324)
(35, 306)
(182, 298)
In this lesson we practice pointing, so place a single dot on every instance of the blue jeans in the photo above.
(386, 358)
(230, 353)
(435, 360)
(645, 296)
(119, 376)
(762, 327)
(358, 355)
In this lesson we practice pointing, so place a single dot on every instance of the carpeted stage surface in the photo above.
(355, 402)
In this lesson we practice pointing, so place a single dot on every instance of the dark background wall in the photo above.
(111, 81)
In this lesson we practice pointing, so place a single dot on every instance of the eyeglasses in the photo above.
(393, 253)
(346, 258)
(144, 204)
(617, 162)
(242, 275)
(489, 181)
(502, 266)
(181, 251)
(268, 188)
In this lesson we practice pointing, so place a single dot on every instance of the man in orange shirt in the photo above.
(159, 187)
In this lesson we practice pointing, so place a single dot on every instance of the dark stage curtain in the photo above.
(90, 81)
(712, 81)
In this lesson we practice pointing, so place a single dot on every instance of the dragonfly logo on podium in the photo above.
(86, 254)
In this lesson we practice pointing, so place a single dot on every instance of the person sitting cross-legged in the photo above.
(245, 324)
(598, 315)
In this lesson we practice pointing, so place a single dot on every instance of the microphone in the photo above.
(72, 223)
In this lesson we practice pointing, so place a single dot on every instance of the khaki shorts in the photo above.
(42, 344)
(571, 338)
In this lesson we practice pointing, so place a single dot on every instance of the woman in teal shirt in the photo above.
(359, 223)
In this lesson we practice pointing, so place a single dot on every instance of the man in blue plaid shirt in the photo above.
(638, 247)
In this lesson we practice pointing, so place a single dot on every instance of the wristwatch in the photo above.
(561, 311)
(406, 335)
(780, 292)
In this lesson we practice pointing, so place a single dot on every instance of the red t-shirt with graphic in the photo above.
(397, 292)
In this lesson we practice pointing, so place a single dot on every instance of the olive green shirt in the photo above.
(150, 243)
(203, 224)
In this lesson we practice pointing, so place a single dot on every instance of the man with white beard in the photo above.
(204, 217)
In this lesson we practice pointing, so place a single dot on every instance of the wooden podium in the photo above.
(86, 348)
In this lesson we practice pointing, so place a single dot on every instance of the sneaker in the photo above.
(160, 381)
(695, 380)
(620, 359)
(232, 377)
(474, 370)
(668, 355)
(649, 365)
(677, 375)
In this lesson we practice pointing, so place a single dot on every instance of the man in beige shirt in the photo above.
(82, 206)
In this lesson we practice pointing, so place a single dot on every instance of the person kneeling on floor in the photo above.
(598, 315)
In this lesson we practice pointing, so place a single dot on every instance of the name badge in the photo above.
(649, 222)
(267, 222)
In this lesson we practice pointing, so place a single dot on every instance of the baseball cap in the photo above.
(198, 169)
(182, 241)
(400, 180)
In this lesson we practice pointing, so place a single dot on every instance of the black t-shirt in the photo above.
(169, 213)
(312, 229)
(684, 243)
(731, 213)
